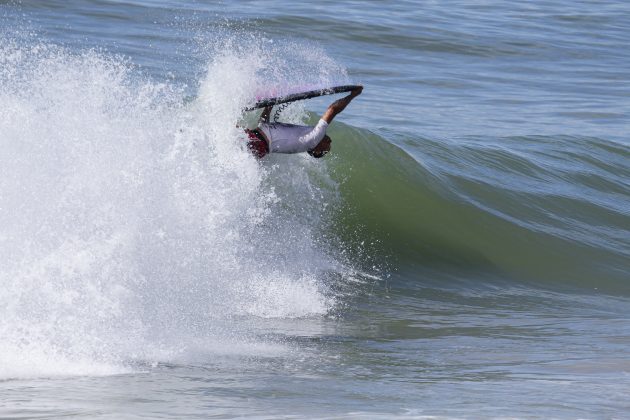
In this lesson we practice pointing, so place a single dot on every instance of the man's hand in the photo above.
(264, 117)
(356, 92)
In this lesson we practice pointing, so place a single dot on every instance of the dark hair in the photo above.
(317, 155)
(321, 154)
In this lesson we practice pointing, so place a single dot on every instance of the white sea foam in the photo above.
(130, 220)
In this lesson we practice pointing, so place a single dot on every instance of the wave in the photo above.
(550, 210)
(135, 227)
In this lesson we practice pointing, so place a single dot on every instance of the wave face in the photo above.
(133, 223)
(544, 209)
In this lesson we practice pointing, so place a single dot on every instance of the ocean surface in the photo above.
(463, 252)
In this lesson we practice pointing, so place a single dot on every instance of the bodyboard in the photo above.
(265, 102)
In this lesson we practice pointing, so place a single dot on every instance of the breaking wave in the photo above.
(133, 223)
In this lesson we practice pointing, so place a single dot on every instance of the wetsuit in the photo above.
(285, 138)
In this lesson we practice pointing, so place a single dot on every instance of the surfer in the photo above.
(290, 138)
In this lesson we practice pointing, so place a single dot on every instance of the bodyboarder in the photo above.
(277, 137)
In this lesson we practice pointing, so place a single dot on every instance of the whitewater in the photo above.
(131, 216)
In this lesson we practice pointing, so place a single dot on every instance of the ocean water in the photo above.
(464, 251)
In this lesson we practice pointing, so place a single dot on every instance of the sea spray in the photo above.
(133, 223)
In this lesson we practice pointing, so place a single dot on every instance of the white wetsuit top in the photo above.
(289, 138)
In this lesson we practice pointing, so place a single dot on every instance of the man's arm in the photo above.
(340, 104)
(264, 117)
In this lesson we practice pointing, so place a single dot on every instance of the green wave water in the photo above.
(512, 208)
